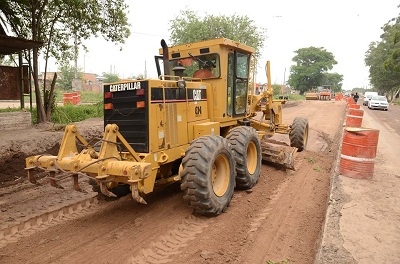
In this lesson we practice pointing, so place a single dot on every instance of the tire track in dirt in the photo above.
(13, 233)
(275, 228)
(161, 250)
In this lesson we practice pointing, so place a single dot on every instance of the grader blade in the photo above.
(279, 154)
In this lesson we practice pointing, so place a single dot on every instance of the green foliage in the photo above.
(62, 26)
(9, 109)
(296, 97)
(277, 89)
(393, 30)
(10, 60)
(86, 96)
(311, 66)
(317, 169)
(91, 97)
(110, 77)
(189, 27)
(67, 76)
(334, 80)
(75, 113)
(383, 60)
(311, 160)
(64, 115)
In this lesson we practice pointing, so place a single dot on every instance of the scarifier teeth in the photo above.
(32, 178)
(105, 191)
(55, 184)
(76, 184)
(135, 194)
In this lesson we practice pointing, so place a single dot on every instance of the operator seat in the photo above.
(203, 73)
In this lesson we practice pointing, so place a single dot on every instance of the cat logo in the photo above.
(196, 95)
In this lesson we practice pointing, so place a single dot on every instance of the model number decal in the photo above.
(124, 86)
(197, 111)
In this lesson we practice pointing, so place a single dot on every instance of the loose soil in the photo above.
(280, 220)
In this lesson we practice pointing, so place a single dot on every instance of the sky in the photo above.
(343, 27)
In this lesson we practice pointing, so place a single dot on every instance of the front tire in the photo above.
(246, 147)
(208, 175)
(299, 133)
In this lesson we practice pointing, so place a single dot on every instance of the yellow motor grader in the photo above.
(199, 124)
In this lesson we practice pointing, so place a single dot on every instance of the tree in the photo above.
(63, 25)
(110, 77)
(189, 27)
(382, 70)
(392, 33)
(311, 66)
(334, 80)
(67, 76)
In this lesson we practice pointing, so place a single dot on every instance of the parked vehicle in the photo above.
(368, 96)
(378, 102)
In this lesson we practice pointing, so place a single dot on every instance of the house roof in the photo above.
(11, 45)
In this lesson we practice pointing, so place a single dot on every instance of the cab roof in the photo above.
(209, 43)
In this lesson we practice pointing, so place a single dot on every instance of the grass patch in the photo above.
(75, 113)
(9, 109)
(86, 96)
(284, 261)
(64, 115)
(292, 97)
(311, 160)
(317, 169)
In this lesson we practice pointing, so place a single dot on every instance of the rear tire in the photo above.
(208, 175)
(246, 147)
(299, 133)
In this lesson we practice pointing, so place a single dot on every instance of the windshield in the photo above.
(202, 66)
(379, 98)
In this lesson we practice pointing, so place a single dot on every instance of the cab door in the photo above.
(238, 78)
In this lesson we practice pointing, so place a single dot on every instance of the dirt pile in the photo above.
(16, 145)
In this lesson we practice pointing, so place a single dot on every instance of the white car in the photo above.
(378, 102)
(368, 96)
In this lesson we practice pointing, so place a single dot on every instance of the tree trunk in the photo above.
(36, 13)
(41, 115)
(50, 99)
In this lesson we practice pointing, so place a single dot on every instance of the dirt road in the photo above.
(279, 220)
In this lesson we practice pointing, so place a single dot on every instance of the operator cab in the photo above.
(222, 63)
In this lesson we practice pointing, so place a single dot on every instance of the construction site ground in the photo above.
(309, 215)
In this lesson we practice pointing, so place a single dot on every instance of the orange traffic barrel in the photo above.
(354, 117)
(354, 106)
(350, 100)
(68, 98)
(74, 98)
(355, 112)
(357, 159)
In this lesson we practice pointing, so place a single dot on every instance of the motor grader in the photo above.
(199, 124)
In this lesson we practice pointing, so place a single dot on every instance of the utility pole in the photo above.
(145, 70)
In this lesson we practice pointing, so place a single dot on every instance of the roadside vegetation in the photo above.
(91, 106)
